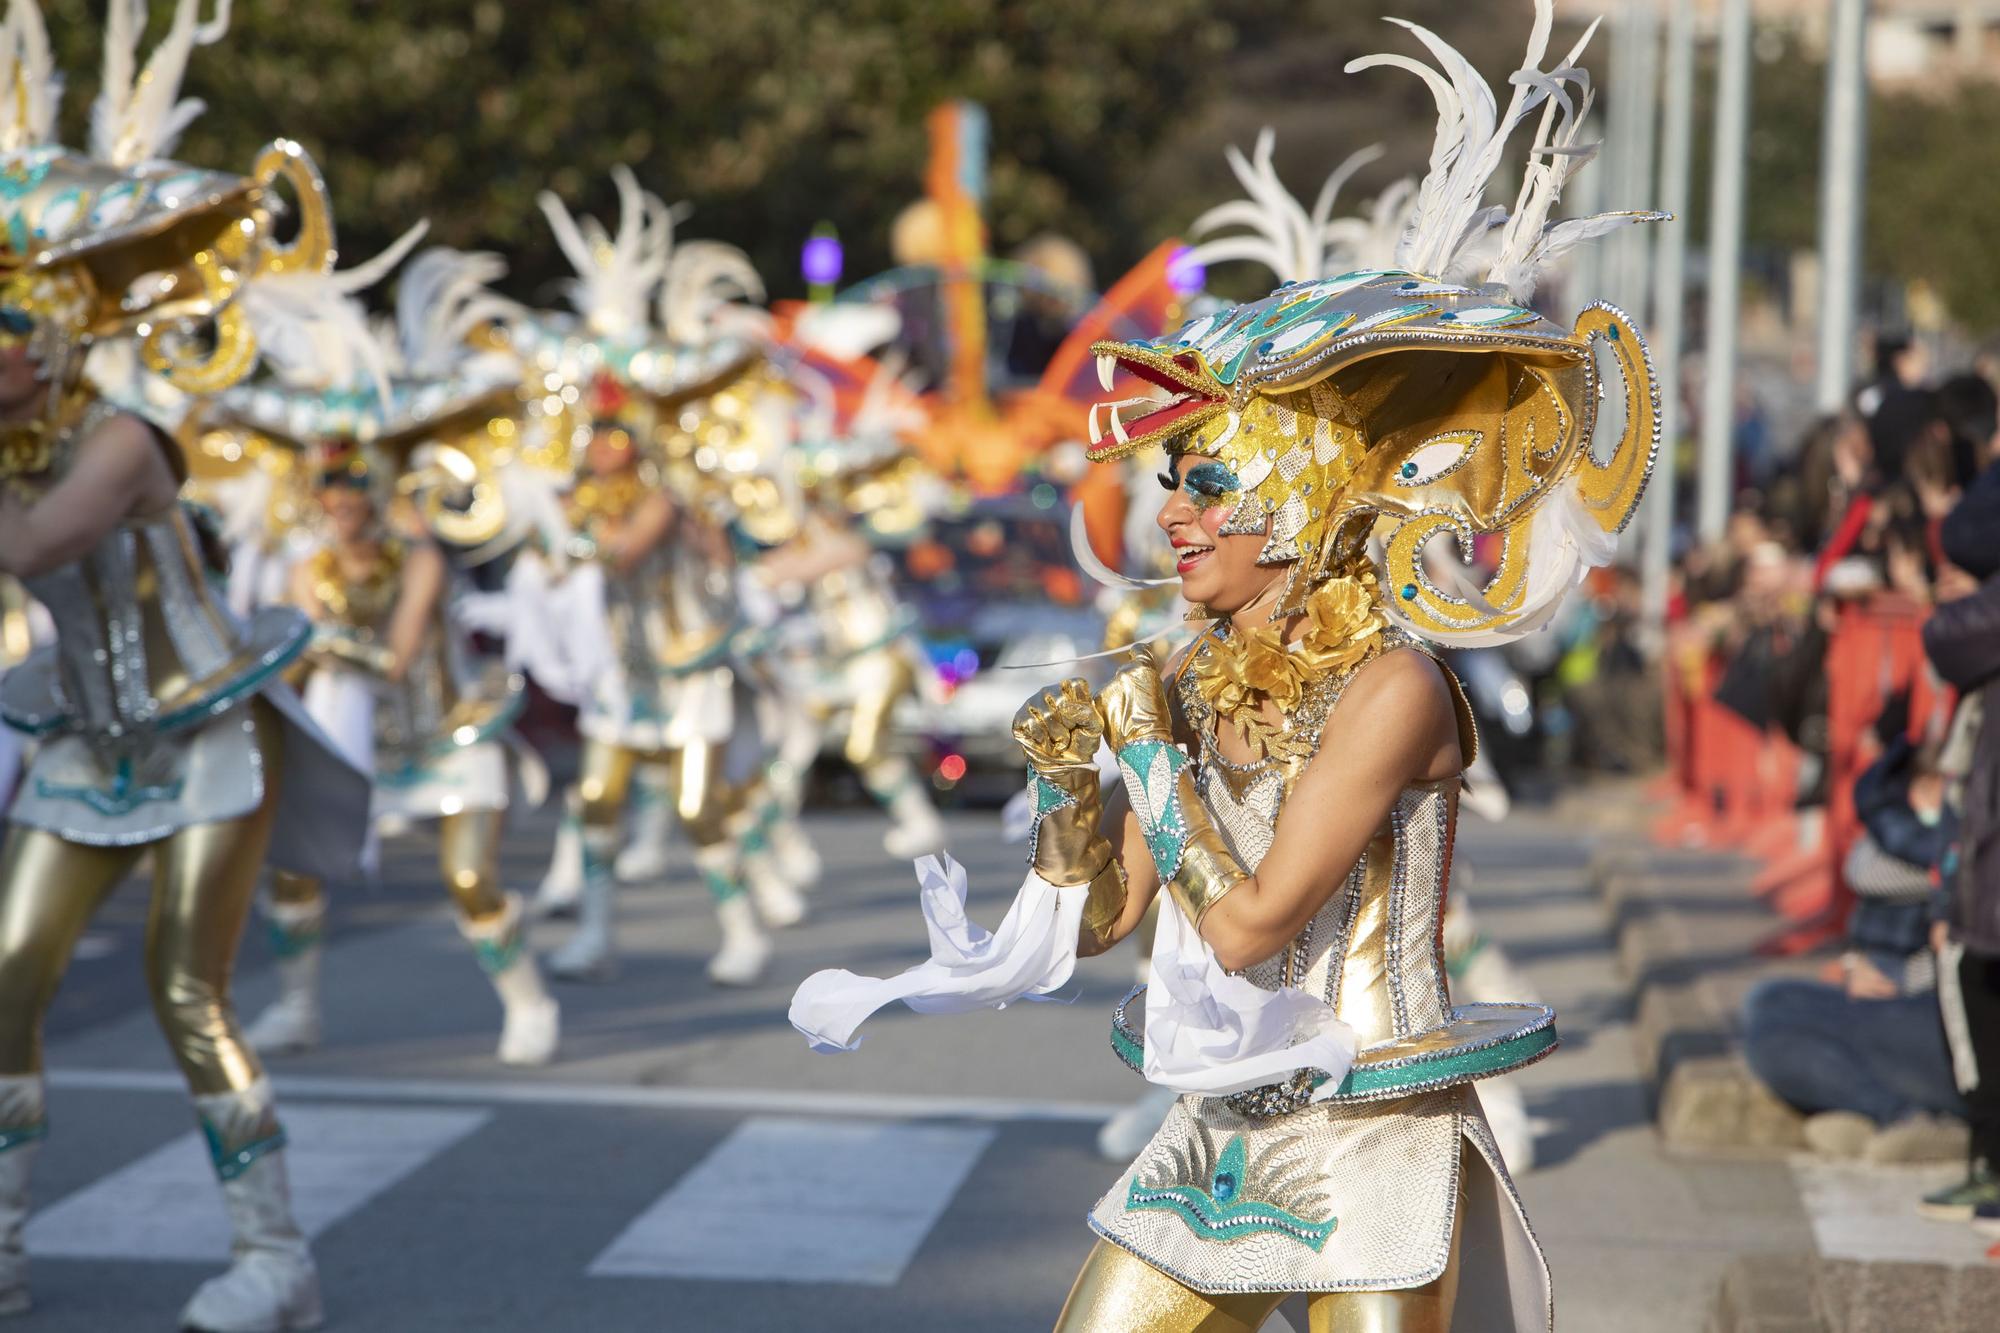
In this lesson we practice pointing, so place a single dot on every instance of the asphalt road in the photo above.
(687, 1164)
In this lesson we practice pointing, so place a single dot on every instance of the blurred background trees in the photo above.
(1108, 118)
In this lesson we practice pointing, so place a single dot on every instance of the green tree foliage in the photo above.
(1931, 188)
(1107, 118)
(766, 117)
(1933, 194)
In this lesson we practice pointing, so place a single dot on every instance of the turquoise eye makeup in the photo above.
(1211, 484)
(1208, 484)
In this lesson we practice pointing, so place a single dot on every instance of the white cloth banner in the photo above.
(342, 702)
(555, 627)
(1207, 1032)
(1032, 954)
(1211, 1033)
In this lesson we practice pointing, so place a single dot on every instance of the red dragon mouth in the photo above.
(1179, 394)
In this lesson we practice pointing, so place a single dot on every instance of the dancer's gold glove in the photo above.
(336, 645)
(1194, 862)
(1059, 732)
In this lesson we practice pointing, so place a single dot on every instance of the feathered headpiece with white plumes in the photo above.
(30, 86)
(1278, 232)
(710, 289)
(442, 299)
(312, 329)
(615, 274)
(1451, 235)
(139, 113)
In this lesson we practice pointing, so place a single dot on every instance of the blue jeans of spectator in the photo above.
(1820, 1050)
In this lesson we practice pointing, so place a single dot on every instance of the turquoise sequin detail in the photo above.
(289, 941)
(721, 887)
(20, 1134)
(121, 797)
(1046, 798)
(1152, 772)
(1223, 1207)
(233, 1162)
(496, 956)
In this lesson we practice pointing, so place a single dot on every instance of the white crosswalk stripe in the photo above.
(793, 1200)
(166, 1206)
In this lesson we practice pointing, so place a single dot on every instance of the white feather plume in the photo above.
(441, 298)
(1369, 240)
(615, 275)
(1531, 242)
(708, 288)
(1100, 573)
(313, 332)
(139, 114)
(1278, 232)
(1451, 233)
(30, 87)
(846, 329)
(1471, 134)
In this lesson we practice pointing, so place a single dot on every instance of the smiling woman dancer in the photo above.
(1291, 781)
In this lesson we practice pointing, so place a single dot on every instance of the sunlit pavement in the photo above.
(689, 1165)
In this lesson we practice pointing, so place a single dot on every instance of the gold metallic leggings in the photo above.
(885, 676)
(204, 878)
(468, 860)
(704, 802)
(1118, 1292)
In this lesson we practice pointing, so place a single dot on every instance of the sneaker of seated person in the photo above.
(1986, 1218)
(1958, 1203)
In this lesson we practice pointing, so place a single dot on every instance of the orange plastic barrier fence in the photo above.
(1733, 785)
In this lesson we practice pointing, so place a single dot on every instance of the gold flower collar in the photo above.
(1237, 673)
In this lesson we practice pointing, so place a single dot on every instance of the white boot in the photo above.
(533, 1020)
(778, 904)
(21, 1129)
(915, 828)
(795, 856)
(291, 1022)
(271, 1285)
(646, 851)
(563, 884)
(745, 949)
(587, 954)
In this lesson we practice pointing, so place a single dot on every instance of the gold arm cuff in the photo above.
(1207, 874)
(1105, 902)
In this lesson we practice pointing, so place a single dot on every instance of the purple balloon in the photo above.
(821, 260)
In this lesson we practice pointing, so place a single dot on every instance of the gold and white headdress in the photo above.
(1401, 402)
(123, 241)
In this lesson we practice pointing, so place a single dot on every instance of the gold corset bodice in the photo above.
(418, 711)
(1372, 951)
(142, 639)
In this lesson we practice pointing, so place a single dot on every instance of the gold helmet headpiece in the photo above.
(1424, 396)
(120, 240)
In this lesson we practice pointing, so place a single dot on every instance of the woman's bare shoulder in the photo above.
(121, 445)
(1404, 675)
(1403, 693)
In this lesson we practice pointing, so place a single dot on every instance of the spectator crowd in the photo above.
(1832, 676)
